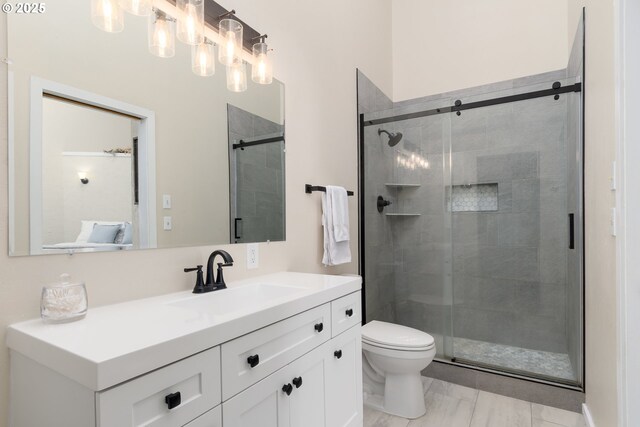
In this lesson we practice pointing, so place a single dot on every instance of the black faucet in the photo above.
(219, 281)
(209, 285)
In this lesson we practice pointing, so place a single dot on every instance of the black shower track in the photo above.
(458, 106)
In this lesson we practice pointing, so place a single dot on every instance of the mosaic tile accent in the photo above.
(473, 198)
(556, 365)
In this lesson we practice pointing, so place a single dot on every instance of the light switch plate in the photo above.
(166, 201)
(252, 256)
(166, 221)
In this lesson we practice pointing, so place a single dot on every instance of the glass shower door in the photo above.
(257, 192)
(514, 216)
(407, 243)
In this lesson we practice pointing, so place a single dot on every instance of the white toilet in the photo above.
(392, 358)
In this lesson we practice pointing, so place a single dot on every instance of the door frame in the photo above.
(628, 209)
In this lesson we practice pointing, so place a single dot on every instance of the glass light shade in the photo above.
(230, 51)
(137, 7)
(203, 62)
(162, 34)
(262, 69)
(237, 77)
(107, 15)
(191, 21)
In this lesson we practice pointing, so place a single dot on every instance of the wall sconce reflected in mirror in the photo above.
(83, 177)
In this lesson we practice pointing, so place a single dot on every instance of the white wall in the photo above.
(601, 359)
(317, 52)
(65, 200)
(444, 45)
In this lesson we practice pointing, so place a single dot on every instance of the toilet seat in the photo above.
(396, 337)
(396, 348)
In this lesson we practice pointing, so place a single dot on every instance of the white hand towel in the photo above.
(340, 212)
(334, 252)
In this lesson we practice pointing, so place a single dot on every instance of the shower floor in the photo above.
(556, 365)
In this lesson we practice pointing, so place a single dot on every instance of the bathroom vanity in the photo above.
(277, 350)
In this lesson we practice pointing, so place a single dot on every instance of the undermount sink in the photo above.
(240, 298)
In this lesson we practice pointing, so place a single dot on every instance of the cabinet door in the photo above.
(344, 380)
(307, 406)
(264, 404)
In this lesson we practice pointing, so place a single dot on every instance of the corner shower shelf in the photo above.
(400, 185)
(402, 214)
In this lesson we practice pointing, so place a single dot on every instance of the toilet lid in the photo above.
(385, 334)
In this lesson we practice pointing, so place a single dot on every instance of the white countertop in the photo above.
(117, 342)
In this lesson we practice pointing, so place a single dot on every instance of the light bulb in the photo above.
(107, 15)
(237, 77)
(191, 21)
(162, 30)
(231, 49)
(262, 70)
(202, 59)
(137, 7)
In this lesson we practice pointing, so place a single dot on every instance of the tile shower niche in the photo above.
(473, 198)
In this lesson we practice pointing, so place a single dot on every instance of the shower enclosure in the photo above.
(471, 224)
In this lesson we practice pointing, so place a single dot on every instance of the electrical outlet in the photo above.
(612, 179)
(166, 201)
(252, 256)
(168, 225)
(614, 224)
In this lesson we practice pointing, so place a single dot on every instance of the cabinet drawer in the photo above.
(345, 313)
(213, 418)
(143, 401)
(270, 348)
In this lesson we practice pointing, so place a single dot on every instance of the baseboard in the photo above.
(587, 416)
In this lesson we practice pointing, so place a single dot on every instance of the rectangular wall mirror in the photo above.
(112, 148)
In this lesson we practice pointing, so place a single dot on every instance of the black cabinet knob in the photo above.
(287, 388)
(253, 360)
(337, 354)
(172, 400)
(319, 327)
(349, 312)
(297, 382)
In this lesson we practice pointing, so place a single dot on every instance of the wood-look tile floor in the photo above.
(452, 405)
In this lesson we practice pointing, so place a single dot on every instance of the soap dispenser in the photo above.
(63, 301)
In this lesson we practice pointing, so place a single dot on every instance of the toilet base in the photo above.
(407, 404)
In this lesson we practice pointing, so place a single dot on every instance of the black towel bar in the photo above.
(308, 188)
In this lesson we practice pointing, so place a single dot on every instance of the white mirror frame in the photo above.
(146, 157)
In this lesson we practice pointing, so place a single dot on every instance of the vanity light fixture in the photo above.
(83, 177)
(203, 62)
(237, 76)
(137, 7)
(162, 34)
(230, 51)
(107, 15)
(191, 21)
(262, 68)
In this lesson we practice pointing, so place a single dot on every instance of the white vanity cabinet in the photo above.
(295, 362)
(323, 388)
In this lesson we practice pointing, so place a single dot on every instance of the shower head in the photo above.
(394, 137)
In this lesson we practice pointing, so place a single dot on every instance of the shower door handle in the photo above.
(571, 232)
(236, 224)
